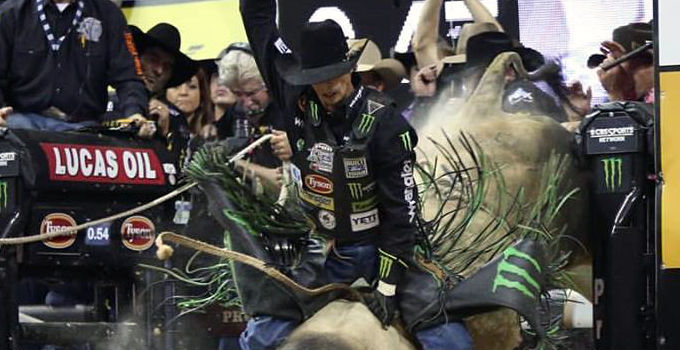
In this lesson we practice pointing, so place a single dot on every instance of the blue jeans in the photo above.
(345, 265)
(36, 121)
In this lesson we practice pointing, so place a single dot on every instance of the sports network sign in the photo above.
(388, 25)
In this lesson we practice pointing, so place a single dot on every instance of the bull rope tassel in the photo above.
(287, 183)
(165, 252)
(74, 230)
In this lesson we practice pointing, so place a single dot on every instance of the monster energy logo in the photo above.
(314, 108)
(406, 140)
(366, 123)
(612, 172)
(507, 267)
(355, 190)
(3, 195)
(385, 266)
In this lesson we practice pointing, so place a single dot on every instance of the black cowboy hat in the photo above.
(630, 36)
(483, 48)
(324, 55)
(167, 37)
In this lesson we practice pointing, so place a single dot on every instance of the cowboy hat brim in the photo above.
(183, 67)
(391, 71)
(293, 73)
(209, 66)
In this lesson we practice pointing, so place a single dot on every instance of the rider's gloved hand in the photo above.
(383, 303)
(383, 307)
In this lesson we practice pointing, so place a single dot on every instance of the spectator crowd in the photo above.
(59, 58)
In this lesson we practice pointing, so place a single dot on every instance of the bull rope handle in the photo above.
(165, 252)
(74, 230)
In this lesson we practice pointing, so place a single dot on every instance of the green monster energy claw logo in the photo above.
(3, 195)
(613, 172)
(314, 108)
(506, 267)
(355, 190)
(366, 123)
(385, 266)
(406, 140)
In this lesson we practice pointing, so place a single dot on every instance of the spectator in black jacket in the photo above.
(57, 58)
(353, 161)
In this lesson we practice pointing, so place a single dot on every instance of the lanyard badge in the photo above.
(55, 42)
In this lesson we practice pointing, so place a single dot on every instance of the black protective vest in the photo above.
(335, 182)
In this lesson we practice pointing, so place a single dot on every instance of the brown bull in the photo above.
(520, 146)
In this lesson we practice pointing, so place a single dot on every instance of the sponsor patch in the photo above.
(327, 219)
(102, 164)
(90, 29)
(137, 233)
(406, 141)
(56, 222)
(365, 205)
(357, 190)
(319, 184)
(317, 200)
(366, 123)
(321, 158)
(606, 135)
(409, 192)
(296, 175)
(281, 46)
(374, 106)
(364, 221)
(7, 157)
(300, 144)
(355, 168)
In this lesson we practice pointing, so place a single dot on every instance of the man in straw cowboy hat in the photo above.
(376, 72)
(353, 158)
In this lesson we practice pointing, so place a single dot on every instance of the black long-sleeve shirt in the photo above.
(75, 78)
(393, 161)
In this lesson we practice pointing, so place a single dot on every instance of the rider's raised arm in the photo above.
(124, 72)
(259, 19)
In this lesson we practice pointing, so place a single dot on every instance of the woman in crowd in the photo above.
(193, 98)
(220, 95)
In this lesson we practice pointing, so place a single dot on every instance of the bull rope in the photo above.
(138, 209)
(164, 252)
